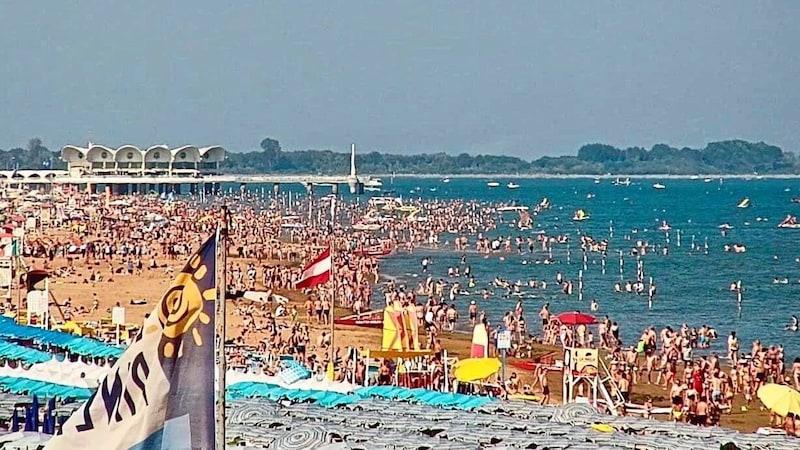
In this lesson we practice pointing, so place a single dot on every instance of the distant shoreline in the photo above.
(602, 177)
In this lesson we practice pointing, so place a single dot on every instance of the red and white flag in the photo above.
(316, 272)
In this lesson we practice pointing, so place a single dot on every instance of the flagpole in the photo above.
(222, 266)
(333, 306)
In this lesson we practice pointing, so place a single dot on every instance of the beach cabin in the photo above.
(37, 286)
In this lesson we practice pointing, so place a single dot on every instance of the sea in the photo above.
(692, 280)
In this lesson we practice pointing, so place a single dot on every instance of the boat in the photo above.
(493, 184)
(446, 180)
(370, 319)
(512, 208)
(361, 226)
(580, 215)
(512, 185)
(658, 186)
(744, 203)
(789, 222)
(708, 180)
(597, 181)
(373, 183)
(664, 226)
(621, 182)
(544, 204)
(375, 250)
(796, 200)
(372, 188)
(523, 364)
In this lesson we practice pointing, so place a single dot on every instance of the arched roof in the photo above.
(73, 153)
(186, 153)
(129, 153)
(213, 153)
(157, 153)
(100, 153)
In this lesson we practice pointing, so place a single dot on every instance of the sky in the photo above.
(520, 78)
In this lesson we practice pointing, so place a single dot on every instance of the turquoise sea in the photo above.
(693, 287)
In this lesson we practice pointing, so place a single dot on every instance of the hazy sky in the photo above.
(519, 77)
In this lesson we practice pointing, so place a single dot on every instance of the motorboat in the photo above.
(707, 180)
(446, 180)
(373, 183)
(512, 185)
(744, 203)
(580, 215)
(597, 181)
(621, 182)
(658, 186)
(789, 222)
(372, 188)
(493, 184)
(796, 200)
(664, 226)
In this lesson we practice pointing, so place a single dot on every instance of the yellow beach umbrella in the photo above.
(780, 399)
(473, 369)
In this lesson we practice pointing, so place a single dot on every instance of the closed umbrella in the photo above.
(576, 318)
(780, 399)
(473, 369)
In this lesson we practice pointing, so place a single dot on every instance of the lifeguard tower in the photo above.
(37, 285)
(583, 369)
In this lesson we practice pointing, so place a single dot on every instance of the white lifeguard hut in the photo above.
(37, 283)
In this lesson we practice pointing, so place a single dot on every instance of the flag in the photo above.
(159, 395)
(316, 272)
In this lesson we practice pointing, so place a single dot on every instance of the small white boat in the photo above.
(372, 189)
(597, 181)
(373, 183)
(658, 186)
(446, 180)
(621, 182)
(707, 180)
(744, 203)
(512, 185)
(493, 184)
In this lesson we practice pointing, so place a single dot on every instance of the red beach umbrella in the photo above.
(576, 318)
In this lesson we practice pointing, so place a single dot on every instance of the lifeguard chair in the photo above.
(582, 366)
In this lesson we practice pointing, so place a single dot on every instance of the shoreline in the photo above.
(533, 176)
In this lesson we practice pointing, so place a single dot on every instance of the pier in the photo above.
(129, 170)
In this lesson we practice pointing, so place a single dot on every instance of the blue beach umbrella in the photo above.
(35, 412)
(14, 420)
(29, 419)
(50, 422)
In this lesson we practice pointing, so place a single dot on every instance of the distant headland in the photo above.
(733, 157)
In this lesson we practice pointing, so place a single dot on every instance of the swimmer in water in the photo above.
(792, 326)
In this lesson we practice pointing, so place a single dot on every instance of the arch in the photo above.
(33, 176)
(50, 175)
(129, 154)
(73, 153)
(187, 154)
(100, 154)
(213, 153)
(5, 175)
(157, 154)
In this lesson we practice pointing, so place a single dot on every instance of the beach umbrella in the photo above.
(51, 420)
(35, 409)
(304, 437)
(14, 420)
(780, 399)
(472, 369)
(576, 318)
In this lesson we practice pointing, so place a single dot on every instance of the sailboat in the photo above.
(580, 215)
(744, 203)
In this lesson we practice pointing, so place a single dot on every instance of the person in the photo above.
(512, 384)
(733, 348)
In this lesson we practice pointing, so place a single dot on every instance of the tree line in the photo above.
(726, 157)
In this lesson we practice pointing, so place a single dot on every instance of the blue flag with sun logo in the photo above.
(160, 394)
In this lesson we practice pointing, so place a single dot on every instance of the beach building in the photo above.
(186, 160)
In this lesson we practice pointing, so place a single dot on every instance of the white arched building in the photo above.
(156, 160)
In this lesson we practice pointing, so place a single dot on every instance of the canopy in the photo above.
(75, 344)
(473, 369)
(16, 352)
(780, 399)
(576, 318)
